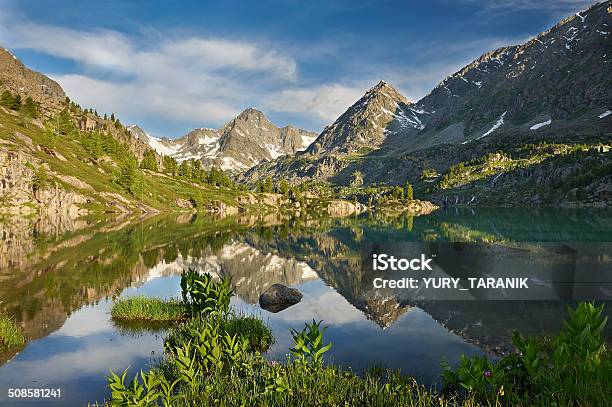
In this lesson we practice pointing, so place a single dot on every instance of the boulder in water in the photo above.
(278, 297)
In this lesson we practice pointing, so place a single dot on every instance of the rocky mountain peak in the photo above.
(247, 140)
(555, 74)
(17, 78)
(382, 112)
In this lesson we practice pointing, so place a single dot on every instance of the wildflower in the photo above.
(487, 373)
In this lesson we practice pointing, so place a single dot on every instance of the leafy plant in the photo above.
(308, 346)
(541, 365)
(154, 387)
(203, 295)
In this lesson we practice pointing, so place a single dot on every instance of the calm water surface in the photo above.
(58, 278)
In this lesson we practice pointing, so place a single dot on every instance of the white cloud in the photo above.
(325, 101)
(194, 79)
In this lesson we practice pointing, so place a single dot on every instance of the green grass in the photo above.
(208, 367)
(142, 308)
(254, 329)
(10, 334)
(159, 191)
(294, 384)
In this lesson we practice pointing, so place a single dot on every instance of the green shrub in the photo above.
(203, 295)
(308, 345)
(574, 366)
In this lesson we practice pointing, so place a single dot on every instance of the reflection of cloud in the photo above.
(95, 354)
(87, 321)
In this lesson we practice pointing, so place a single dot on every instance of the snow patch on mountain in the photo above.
(539, 125)
(496, 126)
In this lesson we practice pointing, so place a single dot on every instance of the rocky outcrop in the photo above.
(222, 209)
(20, 194)
(339, 208)
(184, 203)
(279, 297)
(59, 200)
(17, 78)
(414, 208)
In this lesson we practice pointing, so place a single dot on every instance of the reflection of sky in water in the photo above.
(78, 355)
(414, 343)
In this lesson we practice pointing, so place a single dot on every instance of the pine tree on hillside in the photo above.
(197, 173)
(16, 102)
(11, 101)
(129, 177)
(148, 161)
(409, 192)
(184, 170)
(169, 165)
(6, 99)
(283, 188)
(48, 137)
(64, 124)
(92, 142)
(30, 108)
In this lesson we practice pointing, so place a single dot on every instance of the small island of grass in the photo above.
(140, 308)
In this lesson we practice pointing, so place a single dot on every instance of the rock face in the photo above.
(17, 78)
(371, 122)
(339, 208)
(279, 297)
(249, 139)
(21, 196)
(550, 77)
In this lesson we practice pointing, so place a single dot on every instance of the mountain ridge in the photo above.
(247, 140)
(553, 87)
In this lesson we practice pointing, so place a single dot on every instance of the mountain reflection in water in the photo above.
(53, 272)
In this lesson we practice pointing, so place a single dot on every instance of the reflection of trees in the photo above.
(60, 273)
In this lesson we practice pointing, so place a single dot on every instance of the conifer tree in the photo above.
(6, 99)
(283, 188)
(409, 192)
(30, 108)
(184, 170)
(148, 161)
(169, 165)
(48, 137)
(129, 177)
(16, 102)
(64, 124)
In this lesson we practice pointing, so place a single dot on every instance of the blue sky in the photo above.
(173, 66)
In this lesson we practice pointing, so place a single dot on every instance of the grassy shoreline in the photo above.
(215, 358)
